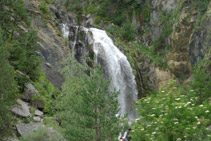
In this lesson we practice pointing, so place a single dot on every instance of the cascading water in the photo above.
(65, 30)
(116, 67)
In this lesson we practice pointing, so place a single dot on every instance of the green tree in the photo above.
(23, 56)
(87, 108)
(11, 14)
(7, 91)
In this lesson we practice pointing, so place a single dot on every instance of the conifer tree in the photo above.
(7, 91)
(87, 108)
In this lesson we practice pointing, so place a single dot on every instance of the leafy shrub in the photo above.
(97, 20)
(177, 113)
(8, 93)
(46, 90)
(127, 31)
(44, 7)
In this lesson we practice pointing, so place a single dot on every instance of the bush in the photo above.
(127, 31)
(172, 114)
(8, 93)
(97, 20)
(44, 8)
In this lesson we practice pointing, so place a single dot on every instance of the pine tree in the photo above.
(7, 91)
(87, 108)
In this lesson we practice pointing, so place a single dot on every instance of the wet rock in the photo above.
(21, 109)
(38, 103)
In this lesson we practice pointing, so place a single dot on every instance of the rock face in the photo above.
(21, 109)
(200, 42)
(187, 44)
(52, 46)
(178, 59)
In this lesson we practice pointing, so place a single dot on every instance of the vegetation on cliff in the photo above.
(86, 108)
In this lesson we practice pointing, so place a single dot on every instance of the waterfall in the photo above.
(65, 30)
(117, 68)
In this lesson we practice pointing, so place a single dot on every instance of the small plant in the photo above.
(97, 20)
(44, 8)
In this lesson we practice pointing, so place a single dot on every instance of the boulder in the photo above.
(38, 103)
(21, 109)
(37, 119)
(38, 113)
(30, 92)
(26, 128)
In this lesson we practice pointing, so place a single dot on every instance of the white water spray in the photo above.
(65, 30)
(117, 68)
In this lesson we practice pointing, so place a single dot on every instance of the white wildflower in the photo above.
(153, 133)
(196, 117)
(198, 123)
(191, 90)
(192, 104)
(207, 111)
(201, 105)
(156, 128)
(187, 103)
(152, 115)
(177, 99)
(142, 129)
(176, 122)
(179, 139)
(163, 91)
(180, 107)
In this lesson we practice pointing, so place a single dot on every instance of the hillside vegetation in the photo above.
(167, 44)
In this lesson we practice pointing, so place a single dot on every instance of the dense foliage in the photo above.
(19, 64)
(87, 108)
(7, 91)
(177, 113)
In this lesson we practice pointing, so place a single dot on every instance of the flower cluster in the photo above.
(172, 114)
